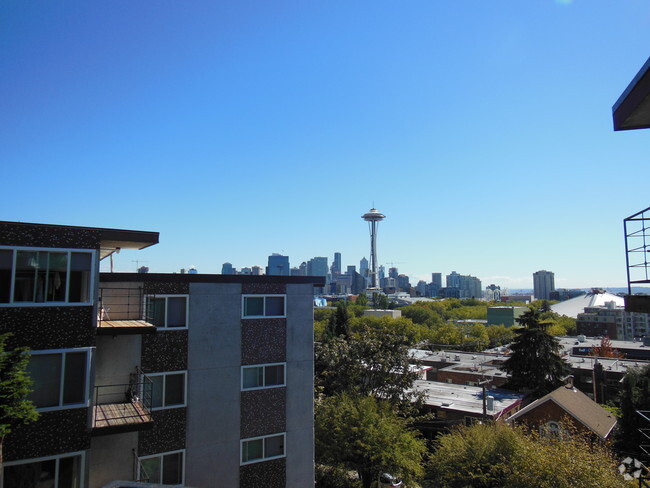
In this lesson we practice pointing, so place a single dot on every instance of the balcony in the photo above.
(123, 407)
(122, 311)
(637, 249)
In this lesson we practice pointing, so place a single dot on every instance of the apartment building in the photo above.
(177, 379)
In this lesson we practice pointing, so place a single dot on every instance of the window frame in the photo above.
(242, 442)
(264, 315)
(66, 303)
(265, 365)
(57, 457)
(167, 296)
(161, 455)
(62, 353)
(169, 373)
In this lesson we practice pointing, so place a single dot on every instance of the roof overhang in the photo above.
(632, 109)
(114, 240)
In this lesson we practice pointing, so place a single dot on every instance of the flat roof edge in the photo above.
(210, 278)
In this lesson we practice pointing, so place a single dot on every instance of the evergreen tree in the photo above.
(15, 385)
(535, 364)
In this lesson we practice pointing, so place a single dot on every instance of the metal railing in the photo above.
(637, 247)
(124, 304)
(140, 474)
(123, 403)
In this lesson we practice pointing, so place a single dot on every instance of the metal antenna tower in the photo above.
(373, 218)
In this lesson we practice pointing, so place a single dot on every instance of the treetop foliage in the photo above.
(15, 385)
(364, 434)
(498, 455)
(535, 363)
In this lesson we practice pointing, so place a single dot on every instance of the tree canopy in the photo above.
(497, 455)
(535, 364)
(364, 434)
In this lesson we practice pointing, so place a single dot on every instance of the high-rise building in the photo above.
(130, 368)
(227, 269)
(336, 264)
(393, 273)
(317, 267)
(543, 284)
(278, 265)
(256, 270)
(493, 293)
(363, 266)
(468, 286)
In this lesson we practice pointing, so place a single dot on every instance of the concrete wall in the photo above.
(213, 414)
(111, 458)
(300, 386)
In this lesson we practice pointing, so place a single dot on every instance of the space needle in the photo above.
(373, 218)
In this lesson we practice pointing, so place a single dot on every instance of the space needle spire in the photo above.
(373, 218)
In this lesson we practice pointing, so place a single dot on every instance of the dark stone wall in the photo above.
(164, 351)
(269, 474)
(166, 288)
(48, 327)
(263, 341)
(263, 412)
(262, 288)
(55, 432)
(168, 433)
(17, 234)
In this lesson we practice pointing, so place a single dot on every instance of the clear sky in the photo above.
(482, 129)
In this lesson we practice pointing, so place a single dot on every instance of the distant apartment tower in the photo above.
(433, 288)
(227, 269)
(336, 264)
(468, 286)
(317, 267)
(493, 293)
(543, 284)
(278, 265)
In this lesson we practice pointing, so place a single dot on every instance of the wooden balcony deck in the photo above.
(122, 417)
(120, 327)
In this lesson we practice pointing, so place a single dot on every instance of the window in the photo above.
(60, 378)
(259, 449)
(552, 429)
(263, 376)
(38, 276)
(64, 471)
(167, 468)
(168, 311)
(263, 306)
(168, 389)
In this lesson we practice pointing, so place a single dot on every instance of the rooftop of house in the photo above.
(577, 405)
(466, 399)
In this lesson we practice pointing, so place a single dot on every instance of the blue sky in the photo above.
(236, 129)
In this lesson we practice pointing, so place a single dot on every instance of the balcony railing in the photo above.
(123, 407)
(637, 253)
(123, 311)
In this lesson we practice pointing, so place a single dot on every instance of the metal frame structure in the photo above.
(637, 247)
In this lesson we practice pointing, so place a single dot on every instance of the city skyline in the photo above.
(482, 130)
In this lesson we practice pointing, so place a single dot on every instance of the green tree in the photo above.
(500, 334)
(364, 434)
(535, 363)
(362, 300)
(15, 385)
(497, 455)
(380, 301)
(340, 321)
(372, 361)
